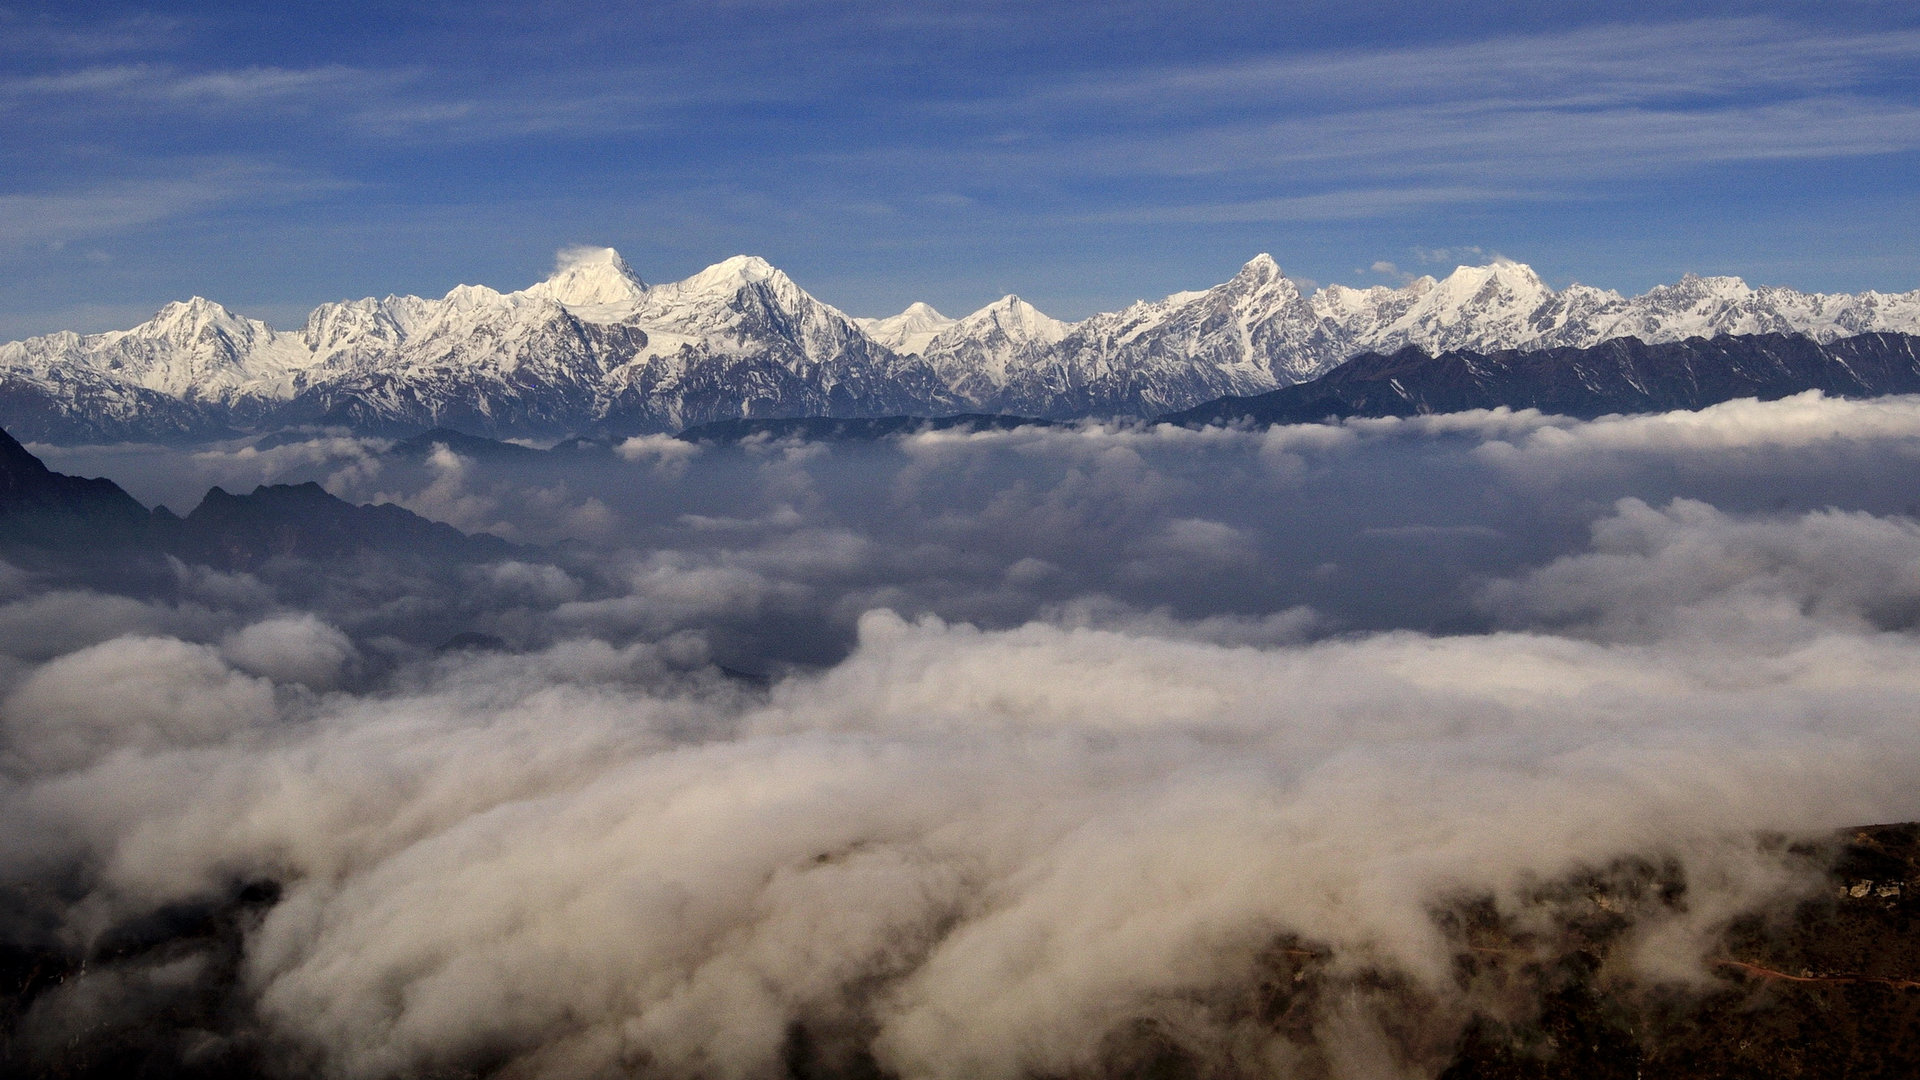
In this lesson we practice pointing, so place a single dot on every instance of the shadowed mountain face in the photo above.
(43, 509)
(49, 519)
(1621, 376)
(459, 442)
(302, 521)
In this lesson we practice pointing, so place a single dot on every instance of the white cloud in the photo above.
(1083, 763)
(994, 847)
(291, 649)
(35, 219)
(137, 693)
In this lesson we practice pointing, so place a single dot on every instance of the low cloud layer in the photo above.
(965, 756)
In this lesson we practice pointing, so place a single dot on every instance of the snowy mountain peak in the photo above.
(591, 277)
(1695, 286)
(592, 347)
(463, 298)
(1472, 292)
(199, 323)
(1502, 271)
(190, 315)
(732, 275)
(1261, 268)
(1015, 318)
(908, 332)
(921, 313)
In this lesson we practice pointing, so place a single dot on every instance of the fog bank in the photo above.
(1031, 753)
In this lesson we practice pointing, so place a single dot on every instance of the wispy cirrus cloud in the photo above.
(1344, 205)
(1624, 64)
(1487, 144)
(38, 219)
(862, 144)
(378, 105)
(1360, 134)
(162, 85)
(44, 35)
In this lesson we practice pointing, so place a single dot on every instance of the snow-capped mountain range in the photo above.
(594, 348)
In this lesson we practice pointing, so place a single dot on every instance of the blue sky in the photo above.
(1080, 154)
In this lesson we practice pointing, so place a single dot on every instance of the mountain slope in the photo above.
(1624, 375)
(595, 349)
(908, 332)
(52, 521)
(304, 522)
(43, 509)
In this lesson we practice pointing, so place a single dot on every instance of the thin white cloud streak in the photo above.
(41, 35)
(401, 104)
(1401, 159)
(250, 87)
(1606, 66)
(1350, 205)
(1535, 118)
(38, 219)
(1802, 421)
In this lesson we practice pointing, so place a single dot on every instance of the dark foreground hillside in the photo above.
(1826, 986)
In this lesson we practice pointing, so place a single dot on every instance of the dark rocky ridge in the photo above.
(49, 520)
(1625, 375)
(470, 446)
(302, 521)
(40, 507)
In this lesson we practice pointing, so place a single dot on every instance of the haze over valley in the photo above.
(959, 753)
(848, 540)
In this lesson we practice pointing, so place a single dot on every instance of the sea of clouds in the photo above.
(954, 755)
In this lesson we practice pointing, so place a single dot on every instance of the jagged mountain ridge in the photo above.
(51, 519)
(594, 348)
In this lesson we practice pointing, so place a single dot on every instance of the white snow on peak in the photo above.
(184, 320)
(979, 354)
(1261, 266)
(1245, 335)
(192, 309)
(1016, 319)
(187, 320)
(1468, 281)
(467, 297)
(908, 332)
(732, 275)
(591, 277)
(1470, 308)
